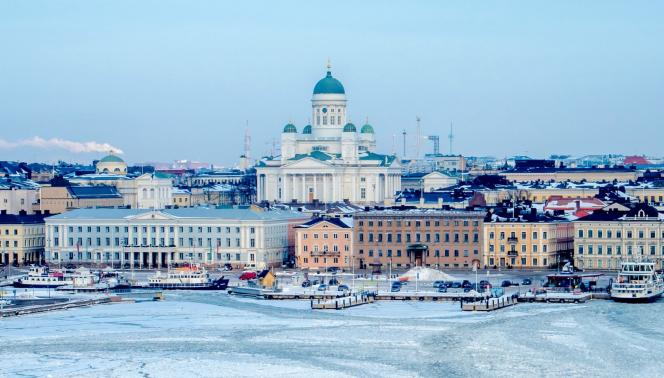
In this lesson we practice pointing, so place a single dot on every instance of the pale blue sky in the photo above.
(166, 80)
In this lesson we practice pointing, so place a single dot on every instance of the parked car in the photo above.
(228, 267)
(437, 284)
(527, 281)
(442, 289)
(333, 281)
(322, 287)
(484, 284)
(343, 288)
(396, 286)
(456, 285)
(506, 284)
(465, 284)
(248, 275)
(306, 283)
(333, 269)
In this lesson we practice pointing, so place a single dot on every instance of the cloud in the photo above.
(71, 146)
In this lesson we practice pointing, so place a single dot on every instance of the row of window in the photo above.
(325, 236)
(325, 248)
(609, 234)
(524, 248)
(28, 242)
(153, 229)
(524, 235)
(437, 253)
(590, 249)
(408, 223)
(152, 242)
(513, 261)
(447, 238)
(116, 256)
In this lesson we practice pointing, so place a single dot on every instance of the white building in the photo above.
(153, 238)
(331, 160)
(147, 191)
(18, 194)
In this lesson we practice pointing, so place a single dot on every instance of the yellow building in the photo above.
(605, 238)
(521, 244)
(21, 238)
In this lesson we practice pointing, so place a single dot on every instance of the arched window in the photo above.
(145, 193)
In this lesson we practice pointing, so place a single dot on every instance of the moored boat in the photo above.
(187, 278)
(637, 282)
(41, 277)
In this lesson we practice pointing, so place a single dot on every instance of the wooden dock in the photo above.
(34, 309)
(490, 304)
(343, 302)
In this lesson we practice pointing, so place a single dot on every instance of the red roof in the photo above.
(635, 160)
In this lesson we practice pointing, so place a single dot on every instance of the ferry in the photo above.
(187, 278)
(40, 277)
(637, 282)
(82, 279)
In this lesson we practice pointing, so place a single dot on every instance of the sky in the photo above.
(165, 80)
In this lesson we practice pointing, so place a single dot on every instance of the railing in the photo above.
(512, 253)
(512, 240)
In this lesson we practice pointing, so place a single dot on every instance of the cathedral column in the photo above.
(334, 187)
(293, 188)
(324, 187)
(267, 193)
(304, 194)
(315, 188)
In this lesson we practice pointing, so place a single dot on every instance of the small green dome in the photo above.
(367, 129)
(306, 129)
(111, 159)
(349, 128)
(328, 84)
(290, 128)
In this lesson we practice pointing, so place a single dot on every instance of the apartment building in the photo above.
(21, 238)
(418, 237)
(324, 242)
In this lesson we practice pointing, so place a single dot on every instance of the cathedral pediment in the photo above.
(307, 163)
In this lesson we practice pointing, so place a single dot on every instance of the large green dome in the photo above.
(349, 128)
(367, 129)
(290, 128)
(111, 159)
(306, 129)
(328, 84)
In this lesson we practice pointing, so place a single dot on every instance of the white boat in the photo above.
(82, 280)
(40, 277)
(187, 278)
(637, 282)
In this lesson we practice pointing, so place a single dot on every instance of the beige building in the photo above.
(111, 164)
(21, 238)
(16, 197)
(147, 191)
(526, 244)
(605, 238)
(324, 242)
(58, 199)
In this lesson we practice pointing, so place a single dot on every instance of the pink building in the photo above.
(324, 242)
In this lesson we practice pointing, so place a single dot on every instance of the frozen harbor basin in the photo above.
(214, 335)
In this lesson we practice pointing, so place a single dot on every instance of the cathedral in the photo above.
(331, 160)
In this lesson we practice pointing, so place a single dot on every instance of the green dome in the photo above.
(290, 128)
(328, 84)
(306, 129)
(349, 128)
(367, 129)
(111, 159)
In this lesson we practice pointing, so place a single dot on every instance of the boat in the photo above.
(637, 282)
(83, 280)
(186, 278)
(40, 277)
(251, 289)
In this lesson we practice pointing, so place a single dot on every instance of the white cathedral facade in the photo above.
(331, 160)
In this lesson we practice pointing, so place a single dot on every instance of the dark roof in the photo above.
(335, 221)
(21, 218)
(602, 215)
(101, 191)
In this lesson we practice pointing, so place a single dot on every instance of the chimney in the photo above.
(578, 204)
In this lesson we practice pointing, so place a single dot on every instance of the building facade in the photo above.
(138, 238)
(527, 244)
(419, 237)
(324, 242)
(331, 160)
(21, 238)
(605, 238)
(58, 199)
(17, 194)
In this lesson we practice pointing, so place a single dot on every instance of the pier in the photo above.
(343, 302)
(489, 304)
(54, 305)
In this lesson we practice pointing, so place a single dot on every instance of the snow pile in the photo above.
(426, 274)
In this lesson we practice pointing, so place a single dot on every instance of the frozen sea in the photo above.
(214, 335)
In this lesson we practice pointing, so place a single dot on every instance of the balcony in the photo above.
(512, 240)
(326, 253)
(512, 253)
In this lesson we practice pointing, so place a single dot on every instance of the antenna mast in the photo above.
(451, 136)
(418, 135)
